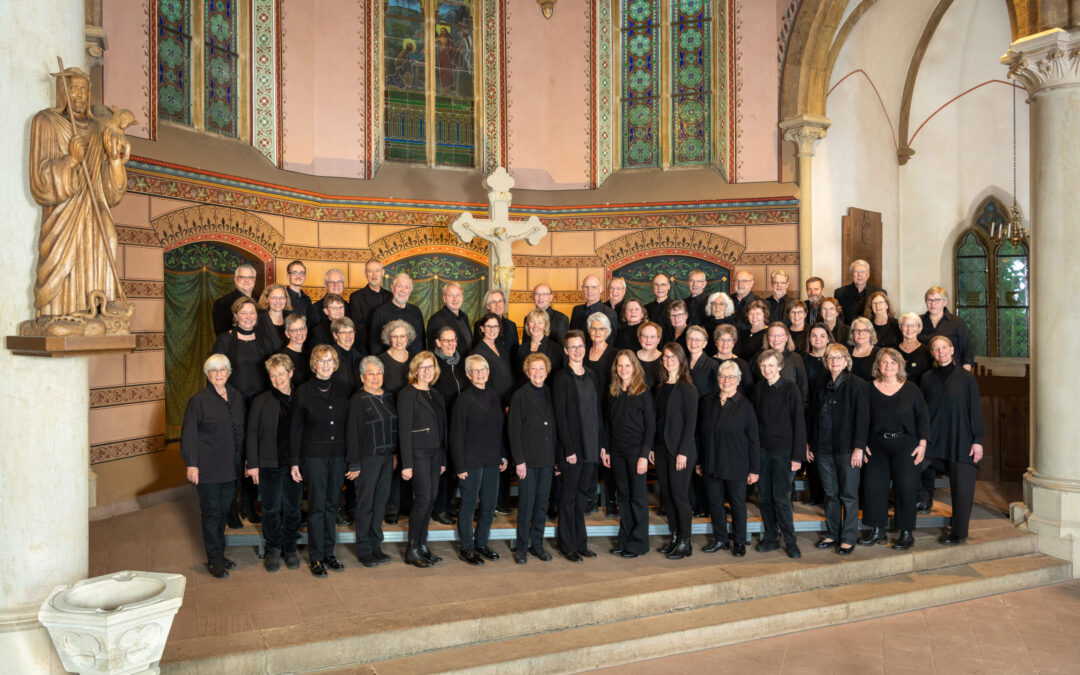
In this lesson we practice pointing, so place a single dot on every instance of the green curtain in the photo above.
(195, 276)
(639, 275)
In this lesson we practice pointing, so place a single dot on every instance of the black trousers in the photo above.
(578, 485)
(674, 491)
(841, 485)
(734, 491)
(962, 486)
(774, 497)
(927, 478)
(698, 493)
(323, 477)
(632, 495)
(372, 486)
(481, 486)
(533, 493)
(425, 482)
(214, 502)
(448, 484)
(890, 459)
(400, 495)
(813, 482)
(280, 496)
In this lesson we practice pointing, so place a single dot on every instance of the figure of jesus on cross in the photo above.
(499, 230)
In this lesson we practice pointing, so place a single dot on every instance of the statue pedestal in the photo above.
(72, 345)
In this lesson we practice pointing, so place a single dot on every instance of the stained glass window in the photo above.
(174, 61)
(221, 58)
(406, 53)
(691, 90)
(1011, 281)
(640, 75)
(972, 290)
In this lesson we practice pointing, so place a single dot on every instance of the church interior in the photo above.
(937, 139)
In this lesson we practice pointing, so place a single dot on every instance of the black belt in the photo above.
(890, 434)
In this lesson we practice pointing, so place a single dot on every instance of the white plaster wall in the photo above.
(43, 415)
(963, 151)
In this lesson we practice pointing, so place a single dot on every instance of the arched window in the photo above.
(430, 84)
(201, 79)
(992, 290)
(667, 83)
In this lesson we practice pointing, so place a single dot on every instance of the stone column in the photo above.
(1048, 66)
(44, 415)
(804, 131)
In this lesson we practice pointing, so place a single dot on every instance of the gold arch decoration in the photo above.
(420, 240)
(686, 241)
(217, 223)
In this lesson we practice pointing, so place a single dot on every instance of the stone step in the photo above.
(623, 642)
(448, 626)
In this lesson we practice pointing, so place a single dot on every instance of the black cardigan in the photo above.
(372, 430)
(421, 421)
(728, 438)
(262, 431)
(212, 436)
(500, 365)
(849, 410)
(531, 426)
(476, 430)
(568, 412)
(318, 422)
(679, 425)
(956, 419)
(703, 374)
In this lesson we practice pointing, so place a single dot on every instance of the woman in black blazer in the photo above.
(838, 424)
(497, 354)
(296, 335)
(729, 456)
(268, 465)
(579, 422)
(372, 441)
(211, 441)
(476, 445)
(274, 305)
(675, 452)
(422, 420)
(631, 423)
(320, 413)
(531, 429)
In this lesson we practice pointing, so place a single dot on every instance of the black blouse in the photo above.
(863, 366)
(728, 442)
(781, 421)
(703, 375)
(502, 373)
(889, 334)
(421, 422)
(956, 421)
(917, 362)
(212, 436)
(395, 373)
(602, 368)
(301, 365)
(904, 412)
(476, 430)
(631, 423)
(247, 358)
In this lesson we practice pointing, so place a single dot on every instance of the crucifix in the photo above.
(499, 230)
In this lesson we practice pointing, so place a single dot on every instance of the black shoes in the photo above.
(924, 506)
(443, 518)
(272, 562)
(716, 545)
(229, 564)
(904, 541)
(472, 557)
(318, 569)
(618, 550)
(824, 544)
(840, 550)
(793, 551)
(668, 547)
(629, 554)
(368, 560)
(381, 557)
(487, 553)
(572, 556)
(876, 535)
(292, 560)
(767, 546)
(427, 555)
(520, 556)
(343, 517)
(682, 550)
(217, 569)
(413, 557)
(738, 550)
(540, 553)
(391, 519)
(333, 563)
(587, 553)
(951, 539)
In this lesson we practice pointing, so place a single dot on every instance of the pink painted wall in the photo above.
(756, 91)
(548, 102)
(323, 87)
(126, 73)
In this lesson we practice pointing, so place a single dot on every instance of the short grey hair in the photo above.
(333, 270)
(472, 360)
(371, 361)
(216, 362)
(729, 366)
(601, 318)
(410, 332)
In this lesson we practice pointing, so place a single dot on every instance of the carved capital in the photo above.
(804, 131)
(1045, 60)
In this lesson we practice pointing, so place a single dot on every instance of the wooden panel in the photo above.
(862, 241)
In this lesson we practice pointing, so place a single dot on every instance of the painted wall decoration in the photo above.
(232, 226)
(425, 240)
(602, 84)
(265, 105)
(682, 241)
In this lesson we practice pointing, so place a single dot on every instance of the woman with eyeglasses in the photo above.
(725, 338)
(838, 425)
(864, 348)
(497, 356)
(531, 430)
(938, 320)
(397, 335)
(752, 340)
(599, 359)
(320, 413)
(880, 312)
(917, 359)
(677, 316)
(675, 451)
(778, 338)
(537, 340)
(729, 457)
(296, 336)
(718, 310)
(649, 354)
(796, 316)
(831, 314)
(422, 431)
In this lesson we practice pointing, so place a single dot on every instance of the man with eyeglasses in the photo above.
(777, 302)
(334, 283)
(695, 304)
(558, 322)
(399, 307)
(364, 301)
(592, 289)
(222, 316)
(853, 296)
(616, 293)
(296, 275)
(453, 316)
(742, 297)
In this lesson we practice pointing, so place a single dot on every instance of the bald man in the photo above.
(593, 290)
(559, 322)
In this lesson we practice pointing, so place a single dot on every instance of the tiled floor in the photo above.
(1031, 631)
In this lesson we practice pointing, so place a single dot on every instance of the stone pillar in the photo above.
(804, 131)
(44, 421)
(1048, 66)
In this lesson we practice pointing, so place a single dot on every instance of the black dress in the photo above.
(247, 358)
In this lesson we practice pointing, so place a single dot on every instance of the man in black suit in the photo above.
(296, 274)
(244, 280)
(451, 315)
(695, 303)
(777, 302)
(616, 293)
(560, 323)
(657, 309)
(853, 296)
(399, 307)
(334, 283)
(364, 301)
(742, 297)
(592, 289)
